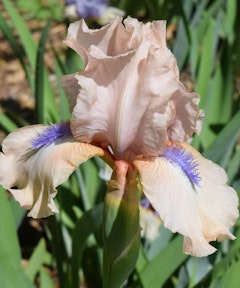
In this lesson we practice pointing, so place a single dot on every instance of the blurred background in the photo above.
(65, 250)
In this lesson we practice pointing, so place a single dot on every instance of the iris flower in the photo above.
(88, 8)
(93, 9)
(128, 107)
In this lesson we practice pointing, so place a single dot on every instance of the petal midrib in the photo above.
(119, 147)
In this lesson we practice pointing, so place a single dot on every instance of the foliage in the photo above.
(205, 42)
(42, 9)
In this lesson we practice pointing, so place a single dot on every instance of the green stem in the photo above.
(121, 230)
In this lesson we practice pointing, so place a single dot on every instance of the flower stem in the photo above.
(121, 230)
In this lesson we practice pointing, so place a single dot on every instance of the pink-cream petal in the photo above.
(94, 116)
(35, 173)
(116, 38)
(128, 96)
(110, 106)
(202, 213)
(214, 194)
(186, 120)
(80, 38)
(71, 88)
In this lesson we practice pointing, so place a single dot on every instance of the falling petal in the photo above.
(198, 205)
(39, 162)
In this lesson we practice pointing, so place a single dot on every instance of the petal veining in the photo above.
(203, 213)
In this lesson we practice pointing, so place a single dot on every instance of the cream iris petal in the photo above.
(202, 211)
(32, 174)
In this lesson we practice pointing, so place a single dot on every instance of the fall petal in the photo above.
(39, 160)
(191, 196)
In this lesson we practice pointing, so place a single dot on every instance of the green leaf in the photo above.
(39, 77)
(18, 51)
(221, 149)
(231, 277)
(64, 113)
(233, 167)
(204, 78)
(37, 259)
(91, 266)
(225, 270)
(91, 181)
(18, 212)
(59, 249)
(11, 271)
(45, 102)
(6, 124)
(156, 272)
(29, 6)
(85, 226)
(231, 13)
(45, 280)
(29, 45)
(31, 50)
(215, 106)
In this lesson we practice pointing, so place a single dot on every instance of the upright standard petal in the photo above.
(130, 97)
(191, 196)
(80, 38)
(36, 159)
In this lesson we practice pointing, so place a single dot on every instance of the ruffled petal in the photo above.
(191, 196)
(186, 120)
(32, 174)
(130, 96)
(80, 38)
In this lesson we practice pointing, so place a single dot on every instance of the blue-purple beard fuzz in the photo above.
(177, 155)
(51, 134)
